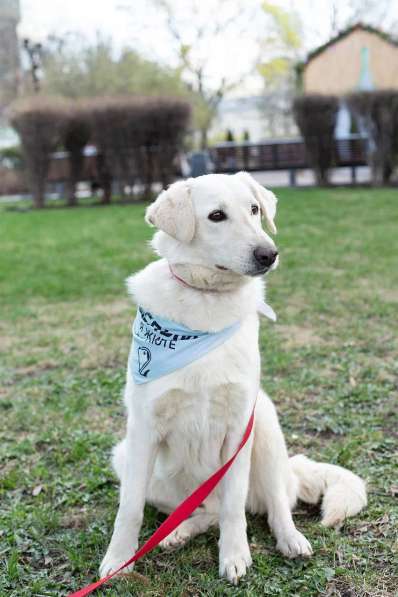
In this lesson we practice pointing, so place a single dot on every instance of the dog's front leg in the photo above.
(234, 552)
(138, 461)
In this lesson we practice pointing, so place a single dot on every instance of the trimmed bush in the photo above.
(40, 123)
(139, 137)
(101, 119)
(376, 113)
(316, 116)
(160, 132)
(12, 181)
(76, 136)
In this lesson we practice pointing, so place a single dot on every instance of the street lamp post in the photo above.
(32, 43)
(34, 52)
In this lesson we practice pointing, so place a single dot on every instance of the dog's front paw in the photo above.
(234, 563)
(114, 558)
(294, 545)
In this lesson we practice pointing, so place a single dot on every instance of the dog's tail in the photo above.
(344, 494)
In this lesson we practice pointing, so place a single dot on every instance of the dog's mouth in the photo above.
(259, 272)
(253, 273)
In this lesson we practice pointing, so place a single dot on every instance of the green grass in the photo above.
(330, 364)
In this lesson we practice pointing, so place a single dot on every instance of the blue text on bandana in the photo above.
(161, 346)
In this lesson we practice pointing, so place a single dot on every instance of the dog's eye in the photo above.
(254, 210)
(217, 216)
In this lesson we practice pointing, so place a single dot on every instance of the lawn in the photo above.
(330, 364)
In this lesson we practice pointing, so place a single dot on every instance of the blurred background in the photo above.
(114, 99)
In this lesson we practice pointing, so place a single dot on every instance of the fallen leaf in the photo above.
(135, 576)
(340, 557)
(384, 520)
(36, 490)
(353, 382)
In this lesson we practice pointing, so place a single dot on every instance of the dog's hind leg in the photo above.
(196, 524)
(273, 486)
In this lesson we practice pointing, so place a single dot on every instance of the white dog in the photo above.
(184, 424)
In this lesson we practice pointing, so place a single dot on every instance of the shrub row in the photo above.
(315, 116)
(375, 113)
(136, 138)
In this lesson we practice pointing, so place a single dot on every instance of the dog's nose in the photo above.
(265, 256)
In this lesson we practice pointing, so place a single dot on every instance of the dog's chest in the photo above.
(193, 426)
(207, 400)
(194, 412)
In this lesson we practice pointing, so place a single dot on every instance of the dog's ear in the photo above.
(173, 212)
(266, 199)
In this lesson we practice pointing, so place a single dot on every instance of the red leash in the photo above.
(182, 512)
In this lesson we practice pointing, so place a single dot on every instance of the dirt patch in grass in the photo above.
(75, 519)
(369, 289)
(6, 342)
(384, 586)
(34, 370)
(297, 336)
(388, 294)
(97, 335)
(101, 422)
(123, 307)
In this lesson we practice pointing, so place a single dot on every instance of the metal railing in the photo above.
(284, 154)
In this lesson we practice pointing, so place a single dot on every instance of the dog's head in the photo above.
(216, 221)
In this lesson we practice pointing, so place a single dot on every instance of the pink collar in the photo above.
(184, 283)
(174, 275)
(263, 308)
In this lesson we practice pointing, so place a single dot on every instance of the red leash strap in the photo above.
(182, 512)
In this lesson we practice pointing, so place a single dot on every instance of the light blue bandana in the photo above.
(161, 346)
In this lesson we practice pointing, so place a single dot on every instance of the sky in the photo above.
(137, 24)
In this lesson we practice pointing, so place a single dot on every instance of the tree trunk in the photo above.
(71, 193)
(76, 163)
(321, 177)
(387, 172)
(105, 179)
(106, 191)
(204, 138)
(38, 195)
(149, 167)
(376, 168)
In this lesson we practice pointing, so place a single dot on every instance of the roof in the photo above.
(382, 34)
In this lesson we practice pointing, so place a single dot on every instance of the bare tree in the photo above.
(34, 52)
(346, 13)
(192, 36)
(281, 47)
(338, 15)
